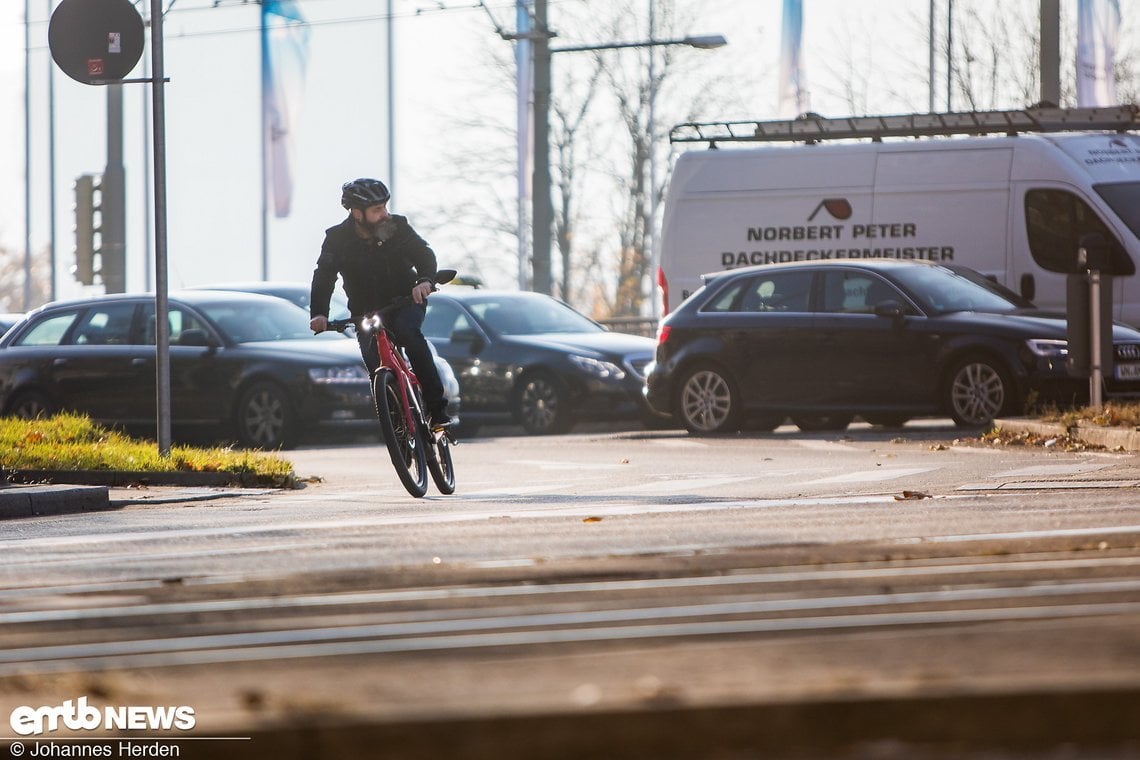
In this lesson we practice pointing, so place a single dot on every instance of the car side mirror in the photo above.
(890, 308)
(194, 337)
(470, 337)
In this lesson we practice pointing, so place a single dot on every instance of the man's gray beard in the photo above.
(381, 231)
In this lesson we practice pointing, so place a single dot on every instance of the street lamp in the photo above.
(542, 209)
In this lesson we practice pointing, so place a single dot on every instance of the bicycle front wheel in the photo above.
(405, 442)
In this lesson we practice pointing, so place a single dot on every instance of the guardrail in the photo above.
(645, 326)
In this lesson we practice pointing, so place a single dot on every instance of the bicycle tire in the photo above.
(439, 462)
(406, 447)
(438, 451)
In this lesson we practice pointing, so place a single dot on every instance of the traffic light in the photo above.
(88, 225)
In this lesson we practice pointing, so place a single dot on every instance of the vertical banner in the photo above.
(793, 97)
(1098, 24)
(284, 49)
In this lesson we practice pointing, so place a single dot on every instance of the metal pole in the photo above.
(27, 158)
(265, 143)
(391, 101)
(148, 229)
(1051, 51)
(931, 61)
(114, 211)
(161, 305)
(650, 141)
(540, 188)
(523, 66)
(1095, 375)
(949, 56)
(51, 174)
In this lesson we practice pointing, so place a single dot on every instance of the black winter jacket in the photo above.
(375, 271)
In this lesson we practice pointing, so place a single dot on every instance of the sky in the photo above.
(442, 73)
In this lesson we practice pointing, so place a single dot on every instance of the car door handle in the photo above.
(139, 361)
(58, 361)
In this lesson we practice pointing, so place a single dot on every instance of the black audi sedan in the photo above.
(824, 341)
(533, 359)
(241, 364)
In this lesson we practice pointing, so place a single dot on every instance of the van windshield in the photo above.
(1124, 199)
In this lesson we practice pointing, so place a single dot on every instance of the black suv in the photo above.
(824, 341)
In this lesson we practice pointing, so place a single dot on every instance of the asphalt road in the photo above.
(868, 594)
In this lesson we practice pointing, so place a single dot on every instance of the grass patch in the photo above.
(72, 442)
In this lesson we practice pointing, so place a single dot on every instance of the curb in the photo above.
(126, 478)
(41, 500)
(1113, 438)
(37, 493)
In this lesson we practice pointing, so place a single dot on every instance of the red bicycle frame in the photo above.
(392, 359)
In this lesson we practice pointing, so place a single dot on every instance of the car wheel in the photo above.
(31, 404)
(813, 423)
(542, 405)
(887, 420)
(976, 390)
(265, 418)
(707, 402)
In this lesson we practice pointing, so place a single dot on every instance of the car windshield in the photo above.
(529, 315)
(940, 291)
(265, 319)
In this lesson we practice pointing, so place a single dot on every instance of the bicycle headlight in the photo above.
(597, 368)
(371, 323)
(337, 375)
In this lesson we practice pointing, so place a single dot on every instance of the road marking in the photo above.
(1029, 534)
(871, 476)
(1045, 470)
(679, 485)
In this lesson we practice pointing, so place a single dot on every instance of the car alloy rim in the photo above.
(539, 404)
(978, 393)
(265, 418)
(706, 400)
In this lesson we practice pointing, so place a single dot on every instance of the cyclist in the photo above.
(380, 260)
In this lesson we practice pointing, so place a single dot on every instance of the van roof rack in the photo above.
(811, 127)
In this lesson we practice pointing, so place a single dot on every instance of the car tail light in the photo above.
(663, 334)
(663, 284)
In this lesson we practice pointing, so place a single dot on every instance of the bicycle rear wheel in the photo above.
(405, 443)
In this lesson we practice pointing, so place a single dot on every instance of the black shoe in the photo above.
(439, 420)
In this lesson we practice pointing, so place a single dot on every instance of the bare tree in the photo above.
(12, 279)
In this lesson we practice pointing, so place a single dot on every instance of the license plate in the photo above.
(1127, 371)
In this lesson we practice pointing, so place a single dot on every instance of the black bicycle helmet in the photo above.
(362, 193)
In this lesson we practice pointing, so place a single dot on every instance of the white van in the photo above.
(1012, 207)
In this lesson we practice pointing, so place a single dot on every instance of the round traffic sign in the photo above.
(96, 41)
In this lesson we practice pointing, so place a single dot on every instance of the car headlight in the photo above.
(597, 368)
(335, 375)
(1048, 348)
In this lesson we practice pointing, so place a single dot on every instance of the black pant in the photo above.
(404, 323)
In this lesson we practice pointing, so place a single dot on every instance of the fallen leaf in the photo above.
(592, 519)
(912, 496)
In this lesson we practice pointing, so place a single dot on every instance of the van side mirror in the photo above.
(1028, 286)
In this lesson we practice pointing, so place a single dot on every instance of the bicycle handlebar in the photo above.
(441, 277)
